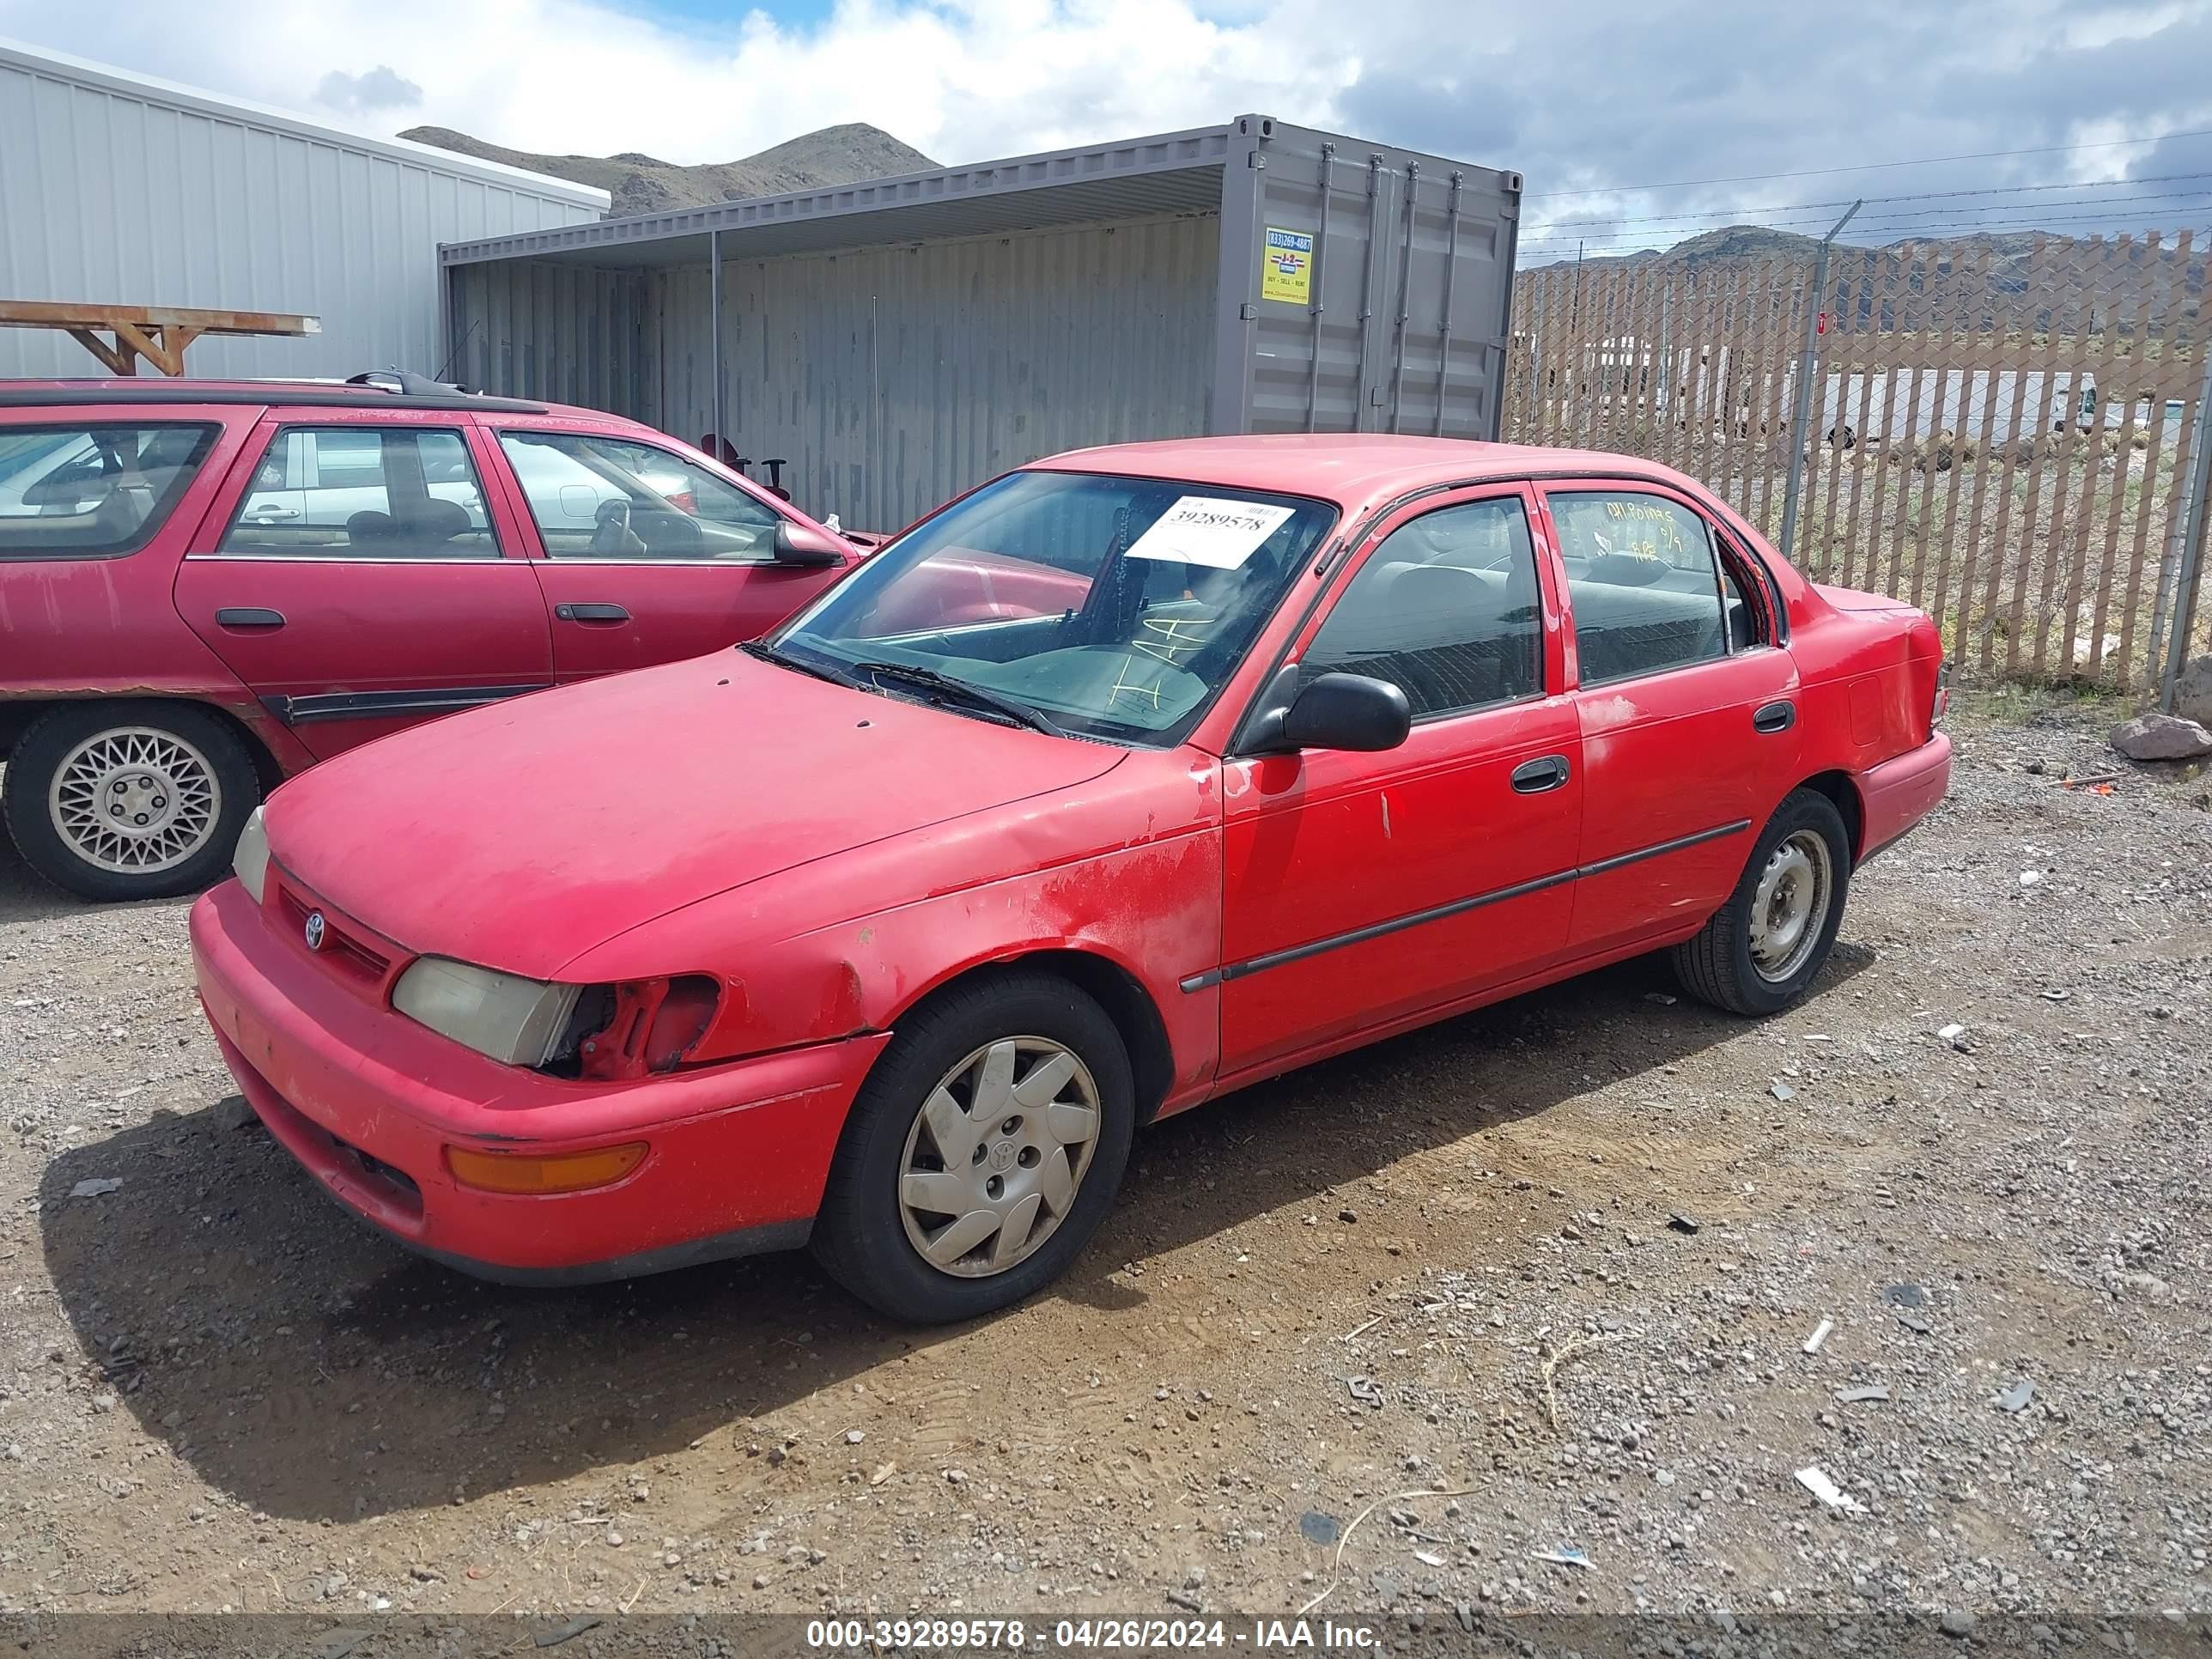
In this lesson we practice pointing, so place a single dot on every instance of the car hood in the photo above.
(521, 835)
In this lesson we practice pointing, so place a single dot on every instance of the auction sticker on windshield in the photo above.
(1210, 530)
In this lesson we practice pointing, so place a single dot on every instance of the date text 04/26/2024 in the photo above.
(1125, 1635)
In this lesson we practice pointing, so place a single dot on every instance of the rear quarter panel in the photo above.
(83, 627)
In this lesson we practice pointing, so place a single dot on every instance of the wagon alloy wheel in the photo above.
(135, 799)
(997, 1154)
(1789, 906)
(132, 798)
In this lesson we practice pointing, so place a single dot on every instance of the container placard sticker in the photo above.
(1210, 530)
(1286, 266)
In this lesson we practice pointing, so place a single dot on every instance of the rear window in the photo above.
(93, 491)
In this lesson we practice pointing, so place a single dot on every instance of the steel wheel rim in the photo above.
(996, 1156)
(134, 801)
(1790, 907)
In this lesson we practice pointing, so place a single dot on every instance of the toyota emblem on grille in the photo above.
(314, 930)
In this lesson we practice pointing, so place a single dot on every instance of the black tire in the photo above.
(1717, 966)
(859, 1237)
(42, 751)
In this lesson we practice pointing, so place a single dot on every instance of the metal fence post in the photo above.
(2191, 558)
(714, 329)
(1808, 365)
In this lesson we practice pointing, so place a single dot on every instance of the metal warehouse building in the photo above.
(898, 340)
(119, 189)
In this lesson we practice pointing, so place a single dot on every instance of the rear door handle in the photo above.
(1775, 717)
(248, 616)
(587, 610)
(1535, 777)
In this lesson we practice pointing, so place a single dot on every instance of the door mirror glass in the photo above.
(1354, 712)
(797, 543)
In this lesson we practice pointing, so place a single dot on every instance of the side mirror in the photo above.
(799, 544)
(1354, 712)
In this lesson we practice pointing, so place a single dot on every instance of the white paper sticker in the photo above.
(1210, 530)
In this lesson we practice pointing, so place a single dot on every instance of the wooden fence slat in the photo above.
(2168, 290)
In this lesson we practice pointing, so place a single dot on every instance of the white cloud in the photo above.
(964, 82)
(1584, 97)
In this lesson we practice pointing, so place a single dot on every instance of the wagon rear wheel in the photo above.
(129, 799)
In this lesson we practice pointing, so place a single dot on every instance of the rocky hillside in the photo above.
(644, 184)
(2074, 279)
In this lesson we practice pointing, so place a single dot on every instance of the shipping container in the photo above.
(896, 342)
(118, 188)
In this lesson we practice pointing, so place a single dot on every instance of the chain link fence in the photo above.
(2005, 432)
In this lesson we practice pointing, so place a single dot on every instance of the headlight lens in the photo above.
(516, 1021)
(249, 863)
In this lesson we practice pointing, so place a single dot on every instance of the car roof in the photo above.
(1350, 468)
(319, 394)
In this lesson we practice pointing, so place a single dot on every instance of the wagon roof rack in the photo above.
(382, 387)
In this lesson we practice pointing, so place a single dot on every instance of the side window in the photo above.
(91, 492)
(1446, 608)
(1642, 582)
(607, 498)
(363, 492)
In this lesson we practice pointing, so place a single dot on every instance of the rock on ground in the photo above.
(2161, 738)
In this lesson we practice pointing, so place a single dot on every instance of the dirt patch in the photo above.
(216, 1392)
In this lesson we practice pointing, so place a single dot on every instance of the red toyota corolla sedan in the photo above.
(1129, 779)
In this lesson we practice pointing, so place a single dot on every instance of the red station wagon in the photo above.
(1129, 779)
(205, 586)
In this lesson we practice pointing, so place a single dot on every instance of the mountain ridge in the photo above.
(639, 182)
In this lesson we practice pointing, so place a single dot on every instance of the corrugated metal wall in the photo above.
(890, 377)
(114, 193)
(568, 333)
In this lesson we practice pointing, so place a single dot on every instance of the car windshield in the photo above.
(1113, 607)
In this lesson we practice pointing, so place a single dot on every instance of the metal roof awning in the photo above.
(1170, 172)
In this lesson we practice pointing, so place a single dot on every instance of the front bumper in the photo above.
(1897, 794)
(368, 1100)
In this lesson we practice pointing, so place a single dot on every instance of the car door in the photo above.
(1686, 703)
(1361, 889)
(347, 627)
(648, 556)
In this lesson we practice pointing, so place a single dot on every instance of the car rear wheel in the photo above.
(129, 799)
(1765, 946)
(981, 1152)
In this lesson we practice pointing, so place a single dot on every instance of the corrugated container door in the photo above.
(1377, 291)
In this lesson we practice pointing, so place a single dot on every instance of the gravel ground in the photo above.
(1413, 1328)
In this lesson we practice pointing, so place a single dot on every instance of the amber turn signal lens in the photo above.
(563, 1172)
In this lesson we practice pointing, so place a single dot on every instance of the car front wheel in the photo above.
(129, 799)
(981, 1152)
(1763, 948)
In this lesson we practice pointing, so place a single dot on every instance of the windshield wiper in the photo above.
(766, 652)
(930, 679)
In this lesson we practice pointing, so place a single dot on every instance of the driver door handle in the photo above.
(591, 611)
(1537, 777)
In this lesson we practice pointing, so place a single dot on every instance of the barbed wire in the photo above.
(1870, 166)
(1876, 201)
